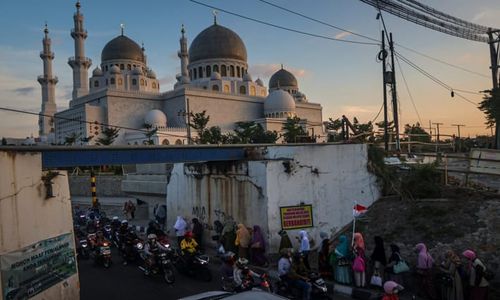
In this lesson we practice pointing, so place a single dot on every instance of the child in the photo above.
(391, 290)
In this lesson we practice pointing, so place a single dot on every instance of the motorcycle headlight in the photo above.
(324, 289)
(140, 246)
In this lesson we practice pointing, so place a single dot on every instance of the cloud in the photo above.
(342, 35)
(24, 91)
(487, 17)
(358, 109)
(267, 70)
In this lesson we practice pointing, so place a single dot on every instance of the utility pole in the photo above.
(437, 137)
(383, 56)
(492, 40)
(186, 113)
(394, 96)
(459, 140)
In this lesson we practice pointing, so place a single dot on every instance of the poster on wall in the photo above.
(295, 217)
(33, 269)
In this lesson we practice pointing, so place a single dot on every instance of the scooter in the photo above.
(164, 265)
(102, 255)
(319, 289)
(198, 266)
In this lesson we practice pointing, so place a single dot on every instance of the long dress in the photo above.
(455, 291)
(343, 268)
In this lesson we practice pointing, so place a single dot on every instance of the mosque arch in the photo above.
(238, 74)
(122, 67)
(252, 91)
(195, 75)
(134, 81)
(113, 81)
(243, 90)
(120, 81)
(215, 68)
(223, 71)
(165, 142)
(142, 82)
(231, 71)
(215, 87)
(178, 142)
(226, 88)
(96, 83)
(200, 72)
(208, 71)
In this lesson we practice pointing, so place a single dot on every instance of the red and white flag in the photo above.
(358, 210)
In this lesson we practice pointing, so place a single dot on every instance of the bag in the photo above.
(359, 264)
(376, 280)
(400, 267)
(342, 261)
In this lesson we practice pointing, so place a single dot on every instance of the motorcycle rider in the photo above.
(128, 244)
(91, 224)
(292, 272)
(243, 276)
(96, 243)
(115, 224)
(151, 250)
(188, 248)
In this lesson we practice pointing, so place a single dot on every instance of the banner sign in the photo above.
(294, 217)
(33, 269)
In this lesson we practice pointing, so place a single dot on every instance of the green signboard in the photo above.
(33, 269)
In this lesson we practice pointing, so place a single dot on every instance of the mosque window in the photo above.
(252, 91)
(129, 67)
(238, 72)
(178, 142)
(262, 93)
(96, 83)
(243, 90)
(223, 71)
(215, 68)
(134, 81)
(113, 81)
(231, 71)
(154, 85)
(194, 73)
(226, 88)
(120, 81)
(165, 142)
(122, 67)
(215, 87)
(142, 82)
(106, 68)
(200, 72)
(208, 71)
(190, 75)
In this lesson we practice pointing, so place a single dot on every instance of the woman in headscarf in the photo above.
(180, 227)
(343, 267)
(478, 285)
(324, 266)
(305, 247)
(258, 246)
(228, 236)
(393, 260)
(285, 242)
(197, 231)
(450, 266)
(391, 290)
(425, 263)
(242, 241)
(359, 265)
(378, 258)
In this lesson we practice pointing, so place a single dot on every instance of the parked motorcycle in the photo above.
(195, 266)
(163, 266)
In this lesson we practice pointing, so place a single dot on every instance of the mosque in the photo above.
(124, 91)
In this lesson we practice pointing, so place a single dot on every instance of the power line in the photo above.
(408, 90)
(283, 27)
(84, 121)
(379, 111)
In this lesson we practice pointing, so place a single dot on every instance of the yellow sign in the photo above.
(294, 217)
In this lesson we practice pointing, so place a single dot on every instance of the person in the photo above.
(151, 250)
(391, 290)
(324, 266)
(96, 206)
(122, 232)
(243, 276)
(258, 247)
(132, 209)
(115, 223)
(160, 213)
(285, 242)
(425, 263)
(305, 247)
(378, 258)
(97, 241)
(343, 267)
(180, 227)
(197, 231)
(92, 223)
(299, 275)
(359, 265)
(126, 210)
(393, 260)
(478, 285)
(228, 236)
(227, 267)
(451, 266)
(189, 244)
(242, 241)
(128, 245)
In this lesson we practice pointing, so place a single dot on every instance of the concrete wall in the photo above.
(330, 177)
(26, 217)
(107, 186)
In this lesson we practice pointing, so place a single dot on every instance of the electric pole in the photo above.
(459, 140)
(382, 56)
(394, 96)
(186, 113)
(492, 40)
(437, 132)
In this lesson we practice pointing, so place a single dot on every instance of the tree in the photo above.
(294, 132)
(86, 140)
(110, 134)
(364, 130)
(334, 129)
(149, 134)
(71, 139)
(417, 133)
(252, 133)
(491, 107)
(199, 122)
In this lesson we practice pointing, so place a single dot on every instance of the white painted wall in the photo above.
(252, 192)
(26, 217)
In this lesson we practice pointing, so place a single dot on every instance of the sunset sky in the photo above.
(344, 78)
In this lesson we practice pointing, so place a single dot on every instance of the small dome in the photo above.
(247, 77)
(283, 78)
(215, 76)
(156, 119)
(122, 47)
(137, 71)
(259, 82)
(151, 74)
(97, 72)
(217, 42)
(114, 70)
(279, 101)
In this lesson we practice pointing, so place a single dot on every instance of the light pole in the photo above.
(186, 113)
(459, 140)
(437, 137)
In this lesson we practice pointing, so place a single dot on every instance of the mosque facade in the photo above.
(123, 91)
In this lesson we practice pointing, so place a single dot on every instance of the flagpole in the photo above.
(353, 223)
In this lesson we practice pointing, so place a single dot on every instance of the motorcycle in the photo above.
(196, 265)
(319, 289)
(248, 283)
(108, 233)
(84, 248)
(163, 265)
(132, 250)
(102, 255)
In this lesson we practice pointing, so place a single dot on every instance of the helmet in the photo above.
(188, 234)
(151, 236)
(242, 263)
(115, 218)
(99, 233)
(124, 222)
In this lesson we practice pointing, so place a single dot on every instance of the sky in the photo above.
(344, 78)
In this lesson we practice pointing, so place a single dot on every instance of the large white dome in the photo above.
(156, 119)
(279, 101)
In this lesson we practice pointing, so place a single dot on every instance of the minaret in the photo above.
(184, 56)
(48, 83)
(79, 63)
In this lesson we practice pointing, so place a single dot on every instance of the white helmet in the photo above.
(115, 218)
(124, 222)
(152, 236)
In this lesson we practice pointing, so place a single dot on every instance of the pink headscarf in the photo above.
(471, 255)
(389, 287)
(425, 260)
(359, 241)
